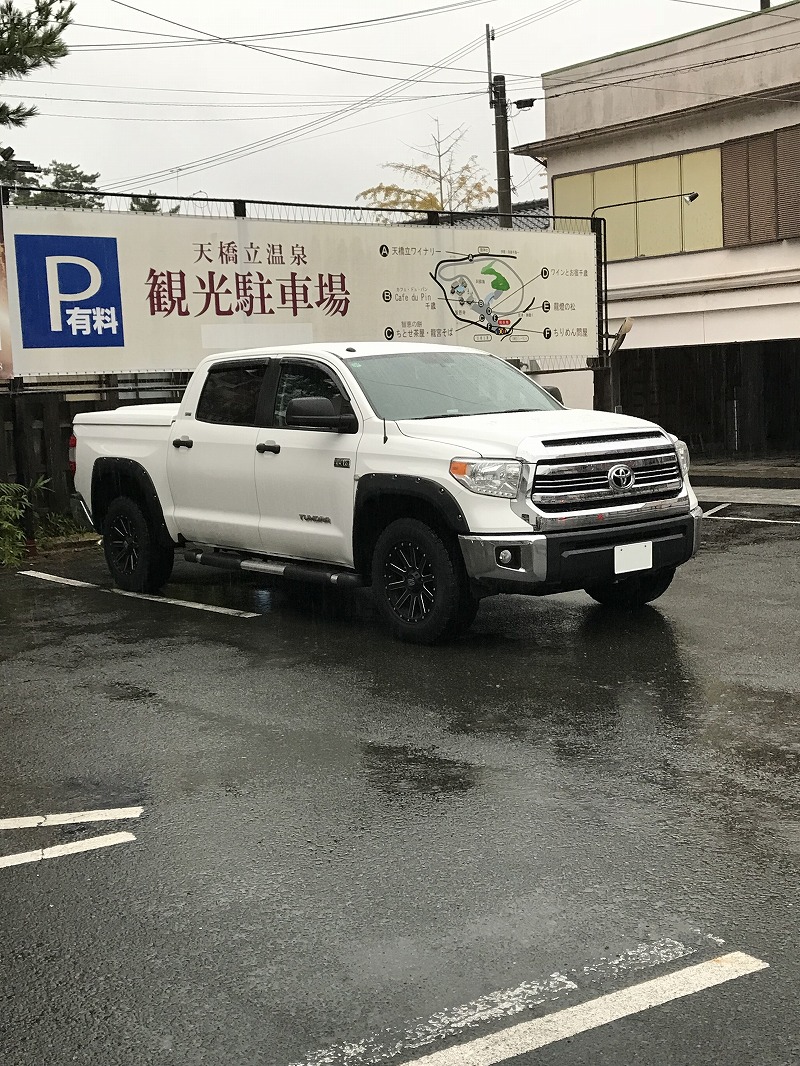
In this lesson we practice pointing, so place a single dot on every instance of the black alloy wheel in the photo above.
(419, 583)
(410, 582)
(124, 544)
(138, 557)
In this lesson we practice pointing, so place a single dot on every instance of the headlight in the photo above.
(490, 477)
(683, 456)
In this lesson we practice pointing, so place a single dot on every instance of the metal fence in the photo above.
(532, 215)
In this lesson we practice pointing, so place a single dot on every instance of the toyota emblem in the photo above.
(620, 478)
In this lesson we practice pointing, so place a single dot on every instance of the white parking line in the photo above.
(719, 507)
(139, 595)
(107, 841)
(34, 821)
(184, 603)
(57, 580)
(538, 1033)
(448, 1023)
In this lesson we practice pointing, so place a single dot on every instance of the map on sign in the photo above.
(485, 291)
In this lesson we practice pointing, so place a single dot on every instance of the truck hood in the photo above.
(519, 434)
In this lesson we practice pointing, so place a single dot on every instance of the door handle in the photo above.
(270, 446)
(182, 442)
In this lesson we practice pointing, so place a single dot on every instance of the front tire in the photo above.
(633, 591)
(137, 558)
(417, 583)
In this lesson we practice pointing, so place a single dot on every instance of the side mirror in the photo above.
(319, 412)
(555, 392)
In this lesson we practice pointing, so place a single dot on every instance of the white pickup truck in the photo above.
(436, 475)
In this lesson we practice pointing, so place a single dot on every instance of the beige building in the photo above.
(713, 285)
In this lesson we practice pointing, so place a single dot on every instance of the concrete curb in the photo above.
(61, 544)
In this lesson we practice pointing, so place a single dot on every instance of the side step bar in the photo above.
(292, 571)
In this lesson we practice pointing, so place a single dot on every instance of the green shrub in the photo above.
(15, 502)
(51, 526)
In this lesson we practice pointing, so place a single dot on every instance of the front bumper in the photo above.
(80, 512)
(540, 564)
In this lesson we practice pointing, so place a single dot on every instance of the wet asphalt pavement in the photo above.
(345, 840)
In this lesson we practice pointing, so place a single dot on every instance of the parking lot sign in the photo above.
(69, 291)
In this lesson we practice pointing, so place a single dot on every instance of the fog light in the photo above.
(504, 558)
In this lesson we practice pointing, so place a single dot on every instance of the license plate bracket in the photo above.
(631, 558)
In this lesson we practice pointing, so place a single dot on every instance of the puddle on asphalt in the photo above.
(399, 770)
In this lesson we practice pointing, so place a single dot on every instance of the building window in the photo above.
(761, 188)
(648, 225)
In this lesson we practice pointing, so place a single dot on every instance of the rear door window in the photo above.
(231, 393)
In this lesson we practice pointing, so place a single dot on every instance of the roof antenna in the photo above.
(385, 438)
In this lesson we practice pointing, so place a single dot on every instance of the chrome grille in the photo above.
(570, 483)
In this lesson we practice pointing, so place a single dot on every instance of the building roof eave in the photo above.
(670, 40)
(541, 149)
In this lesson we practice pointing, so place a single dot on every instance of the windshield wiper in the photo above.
(448, 414)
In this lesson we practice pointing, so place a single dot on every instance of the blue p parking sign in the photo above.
(69, 291)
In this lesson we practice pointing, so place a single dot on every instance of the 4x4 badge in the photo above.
(344, 463)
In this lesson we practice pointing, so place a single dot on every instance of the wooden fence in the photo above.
(35, 427)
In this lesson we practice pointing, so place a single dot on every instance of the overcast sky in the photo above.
(142, 115)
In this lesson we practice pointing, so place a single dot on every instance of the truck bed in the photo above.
(145, 414)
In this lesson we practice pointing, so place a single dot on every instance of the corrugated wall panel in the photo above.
(763, 191)
(735, 194)
(788, 168)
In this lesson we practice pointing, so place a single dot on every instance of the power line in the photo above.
(340, 97)
(267, 51)
(206, 106)
(673, 70)
(172, 171)
(334, 28)
(241, 152)
(229, 118)
(196, 166)
(775, 12)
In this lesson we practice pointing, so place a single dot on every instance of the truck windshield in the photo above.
(445, 384)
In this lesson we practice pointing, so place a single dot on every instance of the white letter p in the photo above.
(54, 293)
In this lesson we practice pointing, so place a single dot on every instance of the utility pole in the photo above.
(501, 143)
(765, 5)
(499, 104)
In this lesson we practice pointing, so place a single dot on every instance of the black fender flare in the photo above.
(129, 470)
(372, 488)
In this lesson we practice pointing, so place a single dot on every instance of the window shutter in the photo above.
(763, 194)
(788, 167)
(735, 194)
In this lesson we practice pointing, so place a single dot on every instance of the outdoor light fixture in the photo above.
(620, 335)
(6, 154)
(689, 197)
(524, 105)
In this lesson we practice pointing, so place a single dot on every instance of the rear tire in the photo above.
(138, 558)
(633, 591)
(417, 583)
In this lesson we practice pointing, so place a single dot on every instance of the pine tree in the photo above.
(30, 40)
(151, 205)
(36, 190)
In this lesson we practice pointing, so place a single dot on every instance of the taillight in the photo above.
(73, 443)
